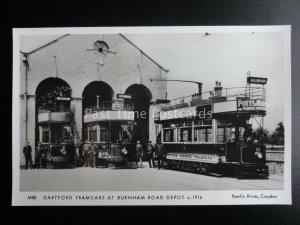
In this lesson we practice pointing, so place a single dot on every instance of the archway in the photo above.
(92, 90)
(141, 97)
(97, 96)
(53, 95)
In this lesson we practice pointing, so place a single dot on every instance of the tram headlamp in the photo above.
(63, 151)
(124, 151)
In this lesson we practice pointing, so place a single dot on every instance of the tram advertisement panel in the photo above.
(250, 105)
(152, 116)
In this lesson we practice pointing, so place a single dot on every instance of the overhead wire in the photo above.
(216, 50)
(138, 69)
(190, 43)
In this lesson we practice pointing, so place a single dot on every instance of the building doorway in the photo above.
(97, 96)
(53, 97)
(140, 97)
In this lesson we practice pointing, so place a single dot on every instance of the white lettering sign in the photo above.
(193, 157)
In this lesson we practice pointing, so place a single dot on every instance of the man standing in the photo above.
(78, 153)
(149, 153)
(38, 154)
(249, 134)
(27, 154)
(139, 153)
(44, 151)
(81, 153)
(86, 153)
(160, 153)
(93, 154)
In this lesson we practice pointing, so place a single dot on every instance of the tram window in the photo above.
(221, 134)
(67, 133)
(221, 122)
(103, 136)
(209, 135)
(169, 135)
(92, 133)
(169, 125)
(184, 134)
(199, 135)
(202, 134)
(241, 132)
(166, 125)
(56, 133)
(207, 122)
(126, 132)
(103, 133)
(230, 134)
(198, 122)
(180, 124)
(188, 124)
(45, 137)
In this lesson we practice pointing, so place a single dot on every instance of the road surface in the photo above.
(141, 179)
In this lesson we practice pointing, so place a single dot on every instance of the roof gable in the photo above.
(66, 35)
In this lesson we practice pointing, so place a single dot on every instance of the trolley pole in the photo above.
(186, 81)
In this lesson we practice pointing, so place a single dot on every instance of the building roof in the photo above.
(57, 39)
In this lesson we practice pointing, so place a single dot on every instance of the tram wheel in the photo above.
(194, 169)
(205, 169)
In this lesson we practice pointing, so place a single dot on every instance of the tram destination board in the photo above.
(151, 116)
(257, 80)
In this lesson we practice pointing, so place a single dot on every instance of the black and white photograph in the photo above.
(152, 116)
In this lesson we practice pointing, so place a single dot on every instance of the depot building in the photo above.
(88, 87)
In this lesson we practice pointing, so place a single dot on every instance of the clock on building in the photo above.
(102, 48)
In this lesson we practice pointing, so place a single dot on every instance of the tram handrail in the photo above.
(114, 105)
(54, 108)
(223, 95)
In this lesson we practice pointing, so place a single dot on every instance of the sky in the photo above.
(223, 57)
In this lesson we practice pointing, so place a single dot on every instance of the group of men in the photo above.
(86, 154)
(152, 153)
(40, 156)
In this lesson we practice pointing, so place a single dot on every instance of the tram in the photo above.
(211, 132)
(110, 125)
(56, 135)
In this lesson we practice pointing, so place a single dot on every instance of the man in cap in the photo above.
(93, 154)
(139, 153)
(38, 154)
(150, 154)
(160, 153)
(86, 148)
(249, 135)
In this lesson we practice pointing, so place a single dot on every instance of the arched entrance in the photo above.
(97, 91)
(53, 116)
(141, 97)
(52, 94)
(97, 96)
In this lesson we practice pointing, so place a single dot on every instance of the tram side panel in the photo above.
(194, 157)
(232, 158)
